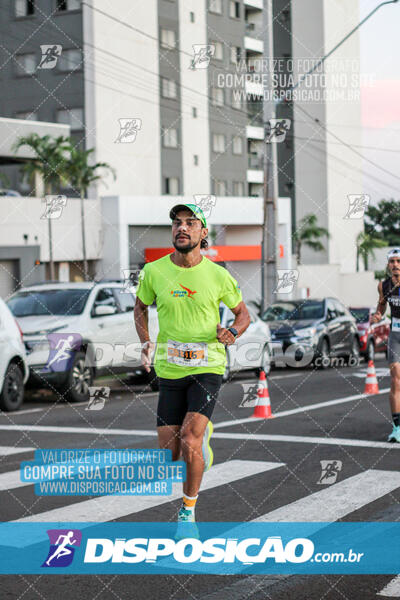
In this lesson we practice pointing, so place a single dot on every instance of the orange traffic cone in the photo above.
(371, 383)
(262, 409)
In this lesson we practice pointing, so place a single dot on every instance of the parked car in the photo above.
(100, 313)
(373, 336)
(252, 350)
(14, 369)
(323, 328)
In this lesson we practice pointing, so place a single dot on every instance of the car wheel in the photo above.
(353, 360)
(370, 353)
(265, 361)
(79, 380)
(324, 355)
(12, 394)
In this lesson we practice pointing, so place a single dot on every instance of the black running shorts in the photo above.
(194, 393)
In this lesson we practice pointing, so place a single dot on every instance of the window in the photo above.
(168, 38)
(125, 299)
(194, 112)
(24, 8)
(172, 186)
(236, 99)
(219, 50)
(68, 4)
(105, 297)
(238, 188)
(192, 17)
(196, 160)
(29, 115)
(170, 138)
(234, 9)
(215, 6)
(70, 60)
(219, 187)
(25, 64)
(218, 142)
(168, 88)
(331, 309)
(72, 117)
(236, 53)
(217, 96)
(237, 144)
(340, 310)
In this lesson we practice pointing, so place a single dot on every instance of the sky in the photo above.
(380, 102)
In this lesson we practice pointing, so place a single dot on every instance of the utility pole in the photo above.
(271, 191)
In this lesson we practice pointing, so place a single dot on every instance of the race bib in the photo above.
(186, 354)
(395, 324)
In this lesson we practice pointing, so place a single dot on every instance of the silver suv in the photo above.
(76, 331)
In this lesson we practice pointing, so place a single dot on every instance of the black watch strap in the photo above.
(233, 331)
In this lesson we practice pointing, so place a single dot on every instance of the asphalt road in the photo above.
(319, 415)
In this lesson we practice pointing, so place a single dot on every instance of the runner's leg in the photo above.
(192, 432)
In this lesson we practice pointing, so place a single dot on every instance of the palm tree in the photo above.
(81, 175)
(49, 162)
(309, 233)
(366, 244)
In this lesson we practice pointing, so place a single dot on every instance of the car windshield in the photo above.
(48, 302)
(282, 311)
(361, 315)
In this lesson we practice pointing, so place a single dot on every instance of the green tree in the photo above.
(383, 221)
(366, 244)
(309, 233)
(48, 161)
(80, 175)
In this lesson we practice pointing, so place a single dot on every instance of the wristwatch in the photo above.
(233, 331)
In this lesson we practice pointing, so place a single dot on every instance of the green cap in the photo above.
(196, 210)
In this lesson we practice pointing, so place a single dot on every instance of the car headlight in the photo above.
(307, 332)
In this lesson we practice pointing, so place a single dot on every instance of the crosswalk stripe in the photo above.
(392, 590)
(93, 430)
(108, 508)
(9, 450)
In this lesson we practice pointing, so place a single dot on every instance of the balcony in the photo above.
(253, 39)
(253, 4)
(254, 133)
(253, 87)
(255, 172)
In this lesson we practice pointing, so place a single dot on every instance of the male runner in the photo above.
(190, 353)
(389, 291)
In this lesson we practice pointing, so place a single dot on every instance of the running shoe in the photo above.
(395, 435)
(208, 454)
(187, 527)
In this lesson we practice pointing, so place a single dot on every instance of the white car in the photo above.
(76, 331)
(252, 350)
(14, 370)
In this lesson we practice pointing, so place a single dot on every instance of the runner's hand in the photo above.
(224, 336)
(147, 351)
(376, 317)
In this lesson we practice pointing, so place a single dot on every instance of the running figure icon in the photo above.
(62, 549)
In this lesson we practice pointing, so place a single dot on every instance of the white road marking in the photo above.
(392, 590)
(9, 450)
(300, 409)
(306, 440)
(21, 412)
(93, 430)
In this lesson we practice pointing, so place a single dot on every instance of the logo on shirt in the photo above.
(186, 292)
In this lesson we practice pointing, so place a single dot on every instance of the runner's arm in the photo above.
(241, 323)
(381, 307)
(141, 317)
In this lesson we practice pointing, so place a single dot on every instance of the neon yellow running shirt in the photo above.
(188, 302)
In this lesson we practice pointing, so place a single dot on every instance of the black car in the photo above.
(312, 331)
